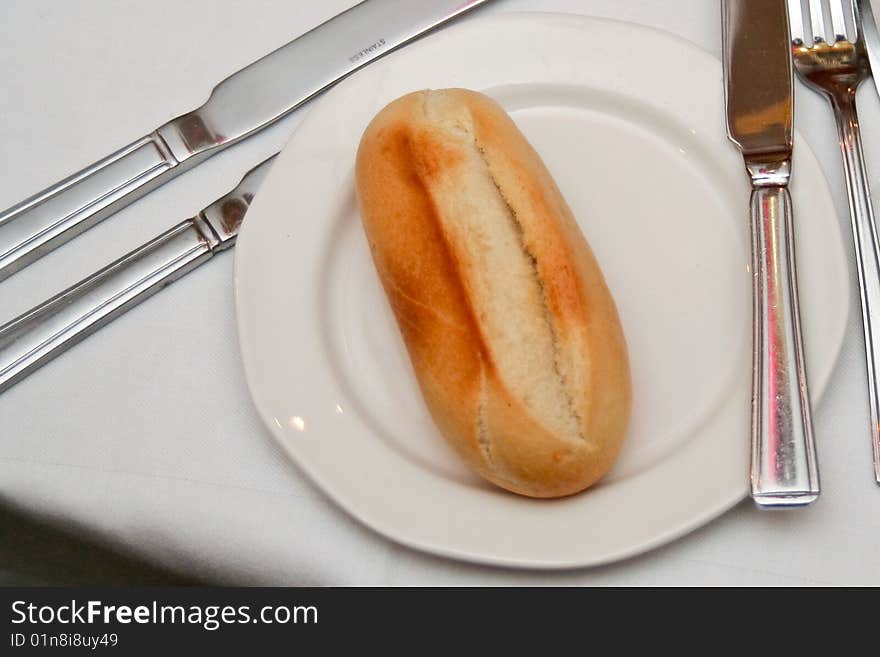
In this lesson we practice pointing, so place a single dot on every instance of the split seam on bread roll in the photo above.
(533, 262)
(527, 336)
(511, 329)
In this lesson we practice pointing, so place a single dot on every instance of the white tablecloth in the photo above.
(144, 435)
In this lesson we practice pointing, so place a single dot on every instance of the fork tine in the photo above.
(817, 20)
(796, 22)
(838, 23)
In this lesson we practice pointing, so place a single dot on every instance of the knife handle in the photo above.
(784, 470)
(46, 220)
(42, 333)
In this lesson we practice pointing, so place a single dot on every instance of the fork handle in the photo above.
(784, 470)
(867, 250)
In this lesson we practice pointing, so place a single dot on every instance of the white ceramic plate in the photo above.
(629, 121)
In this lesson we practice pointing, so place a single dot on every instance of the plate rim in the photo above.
(370, 520)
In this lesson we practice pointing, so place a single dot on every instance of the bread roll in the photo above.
(510, 327)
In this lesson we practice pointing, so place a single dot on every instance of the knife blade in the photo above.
(247, 101)
(864, 21)
(758, 101)
(42, 333)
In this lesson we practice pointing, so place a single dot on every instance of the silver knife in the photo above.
(40, 334)
(758, 98)
(242, 104)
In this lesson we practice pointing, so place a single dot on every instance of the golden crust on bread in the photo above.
(510, 327)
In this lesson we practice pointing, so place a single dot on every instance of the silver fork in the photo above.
(836, 69)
